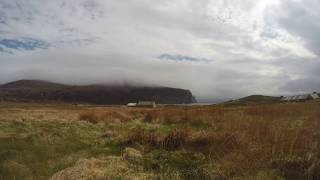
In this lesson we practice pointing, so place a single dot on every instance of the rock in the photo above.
(132, 155)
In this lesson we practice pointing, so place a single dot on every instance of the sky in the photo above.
(219, 49)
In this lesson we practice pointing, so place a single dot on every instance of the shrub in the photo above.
(298, 168)
(148, 118)
(150, 139)
(213, 143)
(89, 117)
(115, 115)
(177, 164)
(175, 139)
(268, 175)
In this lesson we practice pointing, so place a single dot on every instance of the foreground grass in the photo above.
(279, 141)
(40, 148)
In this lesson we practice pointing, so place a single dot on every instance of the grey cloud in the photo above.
(96, 41)
(303, 85)
(178, 57)
(299, 75)
(216, 81)
(302, 18)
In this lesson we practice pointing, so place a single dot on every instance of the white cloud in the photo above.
(119, 41)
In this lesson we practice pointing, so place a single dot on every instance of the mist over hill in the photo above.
(36, 90)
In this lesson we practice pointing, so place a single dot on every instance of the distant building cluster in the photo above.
(299, 98)
(147, 104)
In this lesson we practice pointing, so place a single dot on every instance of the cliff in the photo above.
(39, 91)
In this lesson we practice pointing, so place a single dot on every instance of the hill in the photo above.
(259, 98)
(32, 84)
(254, 99)
(35, 91)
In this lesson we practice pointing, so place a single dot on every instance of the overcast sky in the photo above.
(216, 48)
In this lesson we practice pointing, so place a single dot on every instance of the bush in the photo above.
(89, 117)
(268, 175)
(150, 139)
(185, 165)
(175, 139)
(213, 143)
(148, 118)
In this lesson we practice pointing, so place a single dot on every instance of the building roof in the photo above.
(146, 103)
(297, 97)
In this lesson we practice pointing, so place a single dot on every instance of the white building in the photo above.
(299, 98)
(132, 104)
(149, 104)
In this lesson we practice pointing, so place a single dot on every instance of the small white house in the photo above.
(150, 104)
(132, 104)
(146, 104)
(304, 97)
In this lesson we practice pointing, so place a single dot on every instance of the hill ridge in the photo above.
(39, 90)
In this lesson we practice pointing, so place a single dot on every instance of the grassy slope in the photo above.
(253, 99)
(253, 142)
(260, 98)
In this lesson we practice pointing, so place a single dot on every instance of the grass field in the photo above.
(275, 141)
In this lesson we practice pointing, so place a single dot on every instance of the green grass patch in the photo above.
(186, 165)
(42, 147)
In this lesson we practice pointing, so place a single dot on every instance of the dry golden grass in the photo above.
(241, 141)
(105, 116)
(265, 141)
